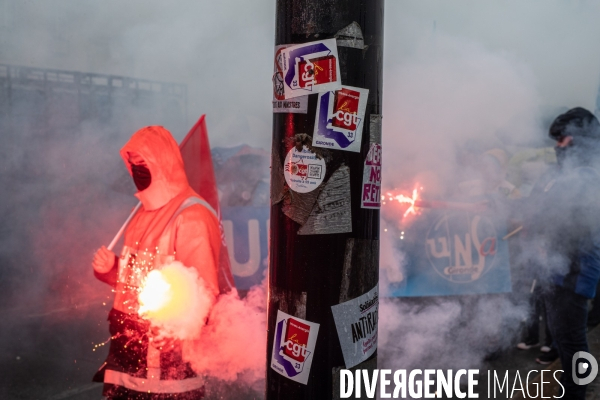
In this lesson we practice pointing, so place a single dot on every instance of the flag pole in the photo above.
(127, 221)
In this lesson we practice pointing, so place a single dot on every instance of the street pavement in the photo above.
(50, 355)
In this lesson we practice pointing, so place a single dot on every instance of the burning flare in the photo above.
(412, 201)
(415, 203)
(175, 300)
(155, 294)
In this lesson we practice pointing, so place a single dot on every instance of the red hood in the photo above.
(157, 147)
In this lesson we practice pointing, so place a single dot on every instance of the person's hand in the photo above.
(104, 260)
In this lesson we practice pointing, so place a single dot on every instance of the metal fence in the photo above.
(36, 101)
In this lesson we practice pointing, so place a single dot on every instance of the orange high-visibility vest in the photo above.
(173, 224)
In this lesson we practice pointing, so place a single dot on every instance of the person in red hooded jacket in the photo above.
(173, 224)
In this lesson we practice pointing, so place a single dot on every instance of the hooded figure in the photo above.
(566, 232)
(173, 224)
(578, 133)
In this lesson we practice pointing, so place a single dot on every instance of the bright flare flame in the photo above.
(400, 198)
(175, 300)
(166, 294)
(155, 293)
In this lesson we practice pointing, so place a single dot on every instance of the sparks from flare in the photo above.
(174, 299)
(400, 198)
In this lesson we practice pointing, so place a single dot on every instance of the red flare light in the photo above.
(403, 199)
(415, 203)
(165, 294)
(155, 294)
(175, 301)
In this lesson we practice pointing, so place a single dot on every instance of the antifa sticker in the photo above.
(293, 347)
(340, 118)
(298, 105)
(303, 170)
(310, 68)
(371, 187)
(356, 324)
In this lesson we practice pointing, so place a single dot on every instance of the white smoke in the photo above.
(223, 339)
(232, 346)
(451, 96)
(391, 259)
(448, 95)
(440, 90)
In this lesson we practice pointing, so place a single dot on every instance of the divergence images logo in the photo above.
(460, 247)
(580, 369)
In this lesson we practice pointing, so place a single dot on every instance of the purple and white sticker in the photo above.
(340, 118)
(293, 347)
(310, 68)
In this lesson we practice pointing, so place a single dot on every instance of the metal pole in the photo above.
(310, 273)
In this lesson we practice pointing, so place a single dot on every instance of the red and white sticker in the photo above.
(293, 347)
(340, 118)
(303, 170)
(310, 68)
(371, 187)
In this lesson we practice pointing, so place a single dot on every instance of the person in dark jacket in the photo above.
(568, 236)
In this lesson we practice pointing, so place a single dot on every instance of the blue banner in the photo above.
(453, 253)
(246, 232)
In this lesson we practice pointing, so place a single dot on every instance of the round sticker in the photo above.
(303, 170)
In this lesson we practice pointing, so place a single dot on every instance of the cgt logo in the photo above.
(296, 339)
(345, 109)
(317, 71)
(293, 347)
(582, 361)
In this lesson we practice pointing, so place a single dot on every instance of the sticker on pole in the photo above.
(298, 105)
(293, 347)
(310, 68)
(303, 170)
(356, 325)
(340, 118)
(371, 187)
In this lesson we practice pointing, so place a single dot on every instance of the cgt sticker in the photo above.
(371, 187)
(310, 68)
(340, 118)
(356, 325)
(303, 170)
(293, 347)
(298, 105)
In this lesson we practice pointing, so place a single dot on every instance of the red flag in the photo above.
(195, 151)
